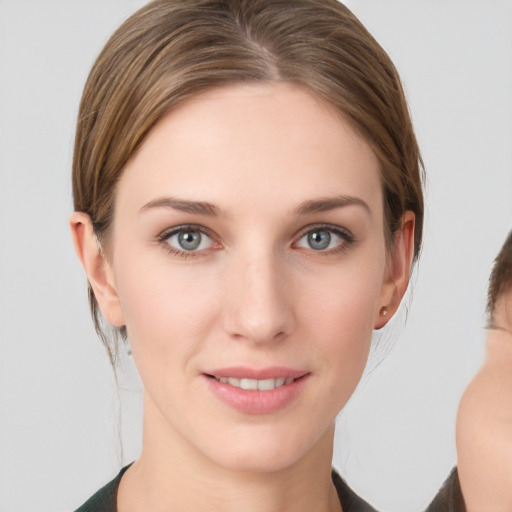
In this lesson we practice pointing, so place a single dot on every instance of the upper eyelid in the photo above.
(347, 239)
(328, 227)
(166, 233)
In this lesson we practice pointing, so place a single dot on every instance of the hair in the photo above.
(171, 50)
(500, 281)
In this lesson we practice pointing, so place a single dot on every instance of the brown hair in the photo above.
(500, 281)
(171, 50)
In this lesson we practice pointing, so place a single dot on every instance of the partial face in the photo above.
(248, 258)
(502, 315)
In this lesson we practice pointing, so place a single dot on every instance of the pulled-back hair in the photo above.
(500, 281)
(171, 50)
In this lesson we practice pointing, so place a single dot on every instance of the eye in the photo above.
(325, 239)
(187, 239)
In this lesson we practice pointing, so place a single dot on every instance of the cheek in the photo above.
(167, 309)
(341, 323)
(346, 302)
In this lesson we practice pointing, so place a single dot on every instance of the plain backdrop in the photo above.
(66, 428)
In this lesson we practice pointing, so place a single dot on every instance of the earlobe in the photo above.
(96, 266)
(397, 272)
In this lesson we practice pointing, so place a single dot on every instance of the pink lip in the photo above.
(252, 401)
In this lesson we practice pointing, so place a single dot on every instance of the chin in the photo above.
(264, 451)
(257, 461)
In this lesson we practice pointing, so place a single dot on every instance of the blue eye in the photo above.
(323, 239)
(319, 240)
(187, 239)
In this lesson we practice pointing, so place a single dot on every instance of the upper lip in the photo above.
(244, 372)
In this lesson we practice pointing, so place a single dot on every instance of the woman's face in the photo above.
(247, 251)
(502, 314)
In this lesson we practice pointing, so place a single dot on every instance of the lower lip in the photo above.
(250, 401)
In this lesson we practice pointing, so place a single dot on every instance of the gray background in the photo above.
(60, 414)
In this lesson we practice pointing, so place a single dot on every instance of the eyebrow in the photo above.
(182, 205)
(325, 204)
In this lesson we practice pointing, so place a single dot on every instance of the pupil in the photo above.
(319, 240)
(189, 240)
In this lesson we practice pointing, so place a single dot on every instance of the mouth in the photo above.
(255, 384)
(257, 391)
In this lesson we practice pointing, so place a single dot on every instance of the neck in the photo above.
(172, 475)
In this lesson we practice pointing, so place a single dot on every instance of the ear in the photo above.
(398, 270)
(98, 269)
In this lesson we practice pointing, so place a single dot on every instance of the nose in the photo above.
(259, 304)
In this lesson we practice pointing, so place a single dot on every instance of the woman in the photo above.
(248, 206)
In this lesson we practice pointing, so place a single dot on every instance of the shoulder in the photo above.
(105, 499)
(449, 498)
(349, 500)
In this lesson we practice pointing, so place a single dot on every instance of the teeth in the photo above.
(267, 384)
(248, 383)
(254, 384)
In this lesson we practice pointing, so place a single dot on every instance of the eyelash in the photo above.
(347, 237)
(165, 235)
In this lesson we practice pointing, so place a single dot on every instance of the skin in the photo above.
(484, 422)
(254, 294)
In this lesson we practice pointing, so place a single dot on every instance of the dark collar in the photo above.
(105, 499)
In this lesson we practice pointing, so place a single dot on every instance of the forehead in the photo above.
(272, 141)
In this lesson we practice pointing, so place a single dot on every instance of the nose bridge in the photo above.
(259, 307)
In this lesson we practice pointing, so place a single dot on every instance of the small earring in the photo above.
(383, 311)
